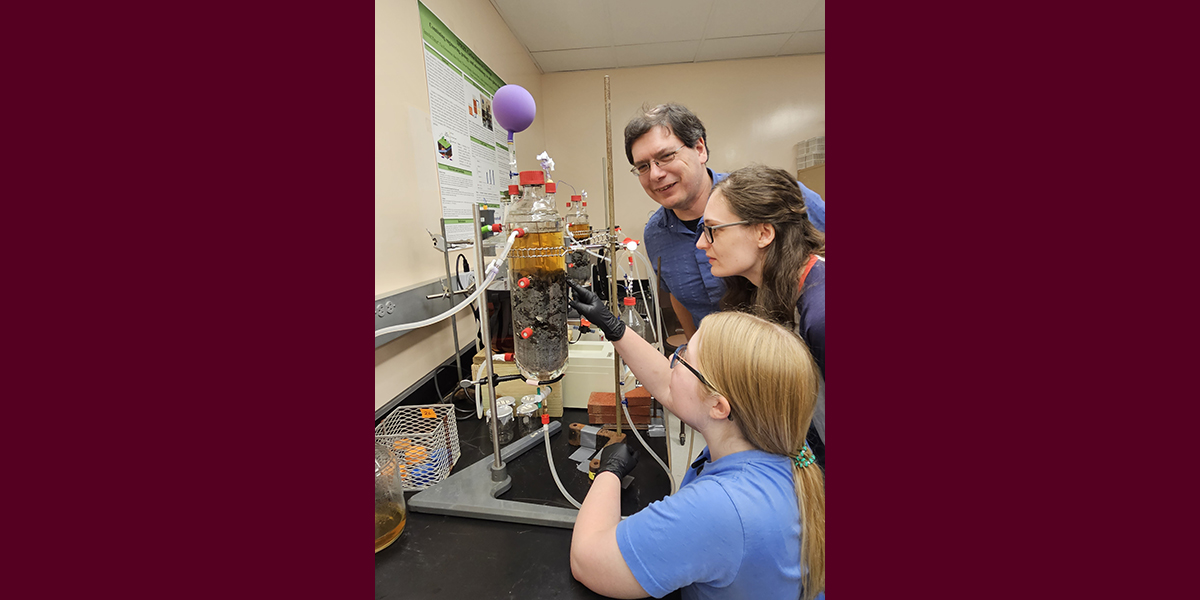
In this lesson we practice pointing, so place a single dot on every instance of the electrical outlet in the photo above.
(380, 310)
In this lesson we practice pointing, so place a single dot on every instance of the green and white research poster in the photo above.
(471, 147)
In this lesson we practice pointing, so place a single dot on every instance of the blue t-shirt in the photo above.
(731, 531)
(686, 272)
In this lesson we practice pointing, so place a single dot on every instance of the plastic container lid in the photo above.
(505, 412)
(630, 300)
(526, 410)
(533, 178)
(514, 190)
(551, 187)
(576, 198)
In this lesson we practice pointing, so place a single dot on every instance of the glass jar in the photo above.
(390, 511)
(506, 427)
(528, 418)
(537, 277)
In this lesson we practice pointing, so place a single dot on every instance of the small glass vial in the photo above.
(506, 427)
(528, 419)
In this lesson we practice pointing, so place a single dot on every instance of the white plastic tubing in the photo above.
(492, 269)
(553, 471)
(629, 419)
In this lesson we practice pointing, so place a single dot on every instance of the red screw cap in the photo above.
(533, 178)
(520, 232)
(514, 190)
(525, 333)
(508, 356)
(523, 282)
(576, 198)
(551, 187)
(546, 419)
(630, 301)
(585, 322)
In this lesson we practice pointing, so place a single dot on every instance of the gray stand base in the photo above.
(472, 493)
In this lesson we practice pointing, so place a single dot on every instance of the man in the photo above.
(668, 147)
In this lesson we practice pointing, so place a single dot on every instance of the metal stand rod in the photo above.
(453, 319)
(498, 471)
(612, 246)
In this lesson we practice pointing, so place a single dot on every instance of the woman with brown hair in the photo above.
(771, 258)
(748, 520)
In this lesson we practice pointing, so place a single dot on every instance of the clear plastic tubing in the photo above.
(625, 407)
(493, 269)
(553, 471)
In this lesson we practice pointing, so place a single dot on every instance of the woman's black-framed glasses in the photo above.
(677, 357)
(708, 230)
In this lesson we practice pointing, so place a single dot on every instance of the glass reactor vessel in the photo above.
(537, 279)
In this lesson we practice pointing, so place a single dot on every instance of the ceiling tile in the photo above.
(730, 18)
(804, 42)
(640, 55)
(642, 22)
(741, 47)
(816, 19)
(557, 25)
(576, 60)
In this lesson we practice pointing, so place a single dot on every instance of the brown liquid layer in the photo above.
(389, 525)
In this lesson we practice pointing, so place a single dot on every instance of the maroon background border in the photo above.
(206, 175)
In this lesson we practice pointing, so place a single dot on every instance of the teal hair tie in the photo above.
(805, 457)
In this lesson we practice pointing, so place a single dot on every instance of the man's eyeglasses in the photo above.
(677, 357)
(708, 230)
(644, 168)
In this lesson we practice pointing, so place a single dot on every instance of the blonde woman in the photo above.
(748, 520)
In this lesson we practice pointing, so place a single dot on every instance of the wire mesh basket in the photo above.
(424, 440)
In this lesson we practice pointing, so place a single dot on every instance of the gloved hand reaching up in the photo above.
(593, 309)
(619, 459)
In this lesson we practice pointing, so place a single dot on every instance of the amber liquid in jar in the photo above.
(542, 306)
(389, 524)
(581, 231)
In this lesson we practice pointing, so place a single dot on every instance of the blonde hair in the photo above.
(770, 379)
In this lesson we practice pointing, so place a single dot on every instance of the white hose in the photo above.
(625, 407)
(670, 475)
(553, 471)
(492, 270)
(660, 344)
(478, 378)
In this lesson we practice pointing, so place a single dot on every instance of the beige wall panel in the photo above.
(813, 178)
(407, 200)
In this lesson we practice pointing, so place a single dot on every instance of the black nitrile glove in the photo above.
(617, 458)
(593, 309)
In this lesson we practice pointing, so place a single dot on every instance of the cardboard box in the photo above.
(602, 408)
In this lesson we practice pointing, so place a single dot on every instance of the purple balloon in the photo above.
(513, 108)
